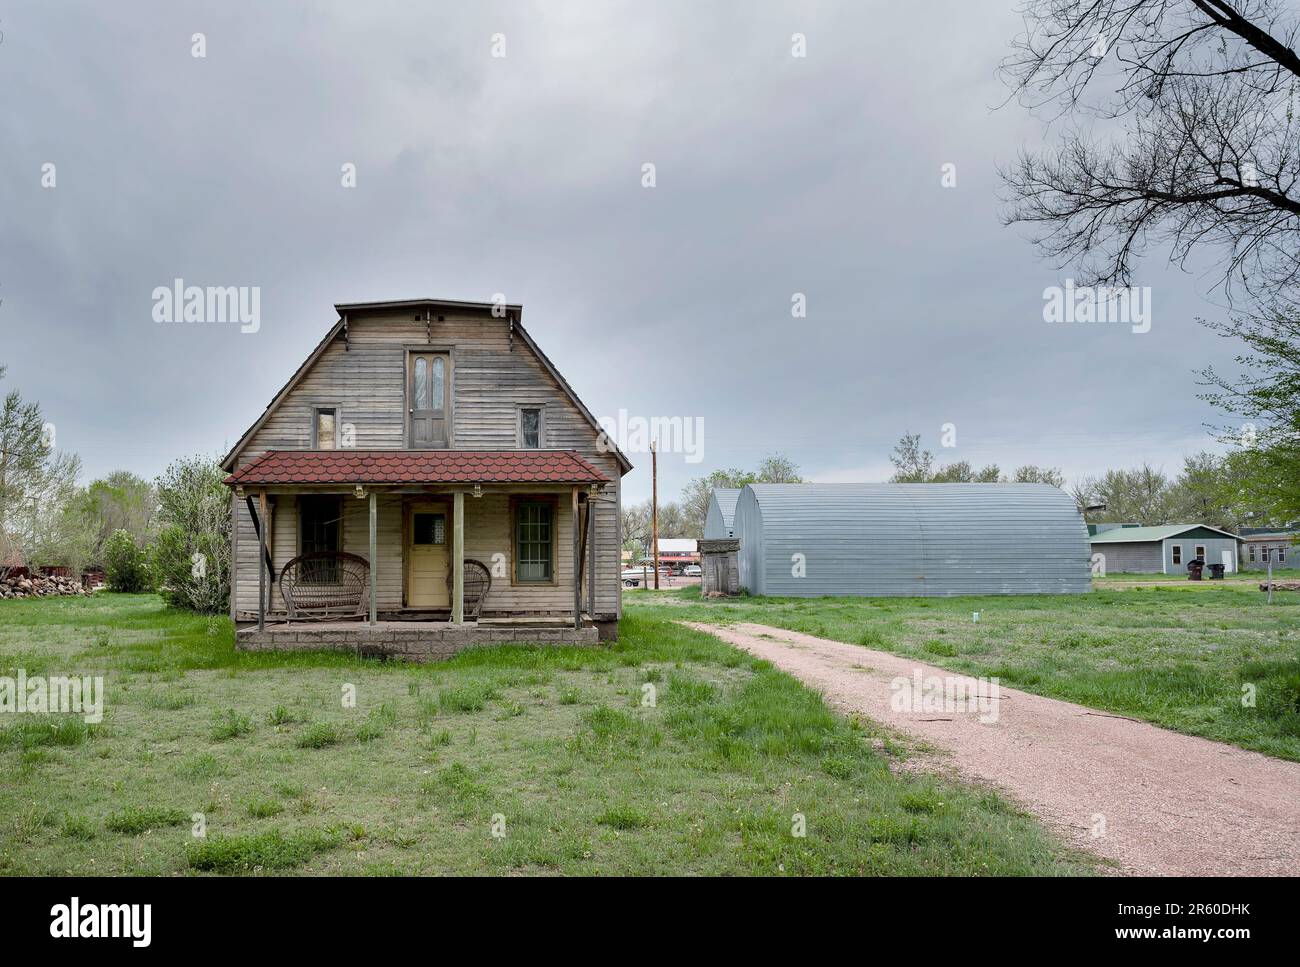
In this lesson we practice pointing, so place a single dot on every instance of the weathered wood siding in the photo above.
(490, 380)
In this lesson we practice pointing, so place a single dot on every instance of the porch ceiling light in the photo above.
(360, 492)
(478, 490)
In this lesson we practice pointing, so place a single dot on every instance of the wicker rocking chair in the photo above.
(326, 584)
(478, 581)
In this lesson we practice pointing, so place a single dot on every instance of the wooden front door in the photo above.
(428, 390)
(428, 542)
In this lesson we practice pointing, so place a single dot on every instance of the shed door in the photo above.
(1227, 562)
(428, 391)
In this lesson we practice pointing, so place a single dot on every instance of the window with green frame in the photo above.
(534, 540)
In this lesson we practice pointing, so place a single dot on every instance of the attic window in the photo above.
(530, 427)
(325, 430)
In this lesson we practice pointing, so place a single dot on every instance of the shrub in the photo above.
(125, 564)
(191, 556)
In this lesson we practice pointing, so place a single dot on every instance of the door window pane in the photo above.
(429, 529)
(421, 383)
(436, 389)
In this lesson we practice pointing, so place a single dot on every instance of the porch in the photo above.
(411, 640)
(423, 530)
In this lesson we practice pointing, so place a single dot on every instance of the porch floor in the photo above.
(414, 640)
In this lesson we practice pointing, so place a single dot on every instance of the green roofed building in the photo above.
(1164, 549)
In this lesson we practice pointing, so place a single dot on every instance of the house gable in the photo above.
(495, 368)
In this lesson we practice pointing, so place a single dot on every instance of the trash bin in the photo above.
(1216, 572)
(1194, 568)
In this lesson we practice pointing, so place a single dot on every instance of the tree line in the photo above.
(171, 534)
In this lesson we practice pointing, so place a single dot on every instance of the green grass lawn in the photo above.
(1178, 657)
(553, 746)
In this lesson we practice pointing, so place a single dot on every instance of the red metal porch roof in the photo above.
(416, 467)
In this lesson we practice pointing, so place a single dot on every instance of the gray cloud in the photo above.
(522, 175)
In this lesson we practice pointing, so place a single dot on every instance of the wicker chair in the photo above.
(326, 584)
(478, 581)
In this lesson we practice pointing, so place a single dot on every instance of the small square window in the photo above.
(1200, 551)
(1251, 551)
(1281, 554)
(1178, 553)
(428, 529)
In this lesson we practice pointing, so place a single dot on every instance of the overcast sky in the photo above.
(522, 175)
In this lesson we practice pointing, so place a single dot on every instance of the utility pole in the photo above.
(654, 506)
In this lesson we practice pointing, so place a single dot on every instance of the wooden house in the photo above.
(424, 443)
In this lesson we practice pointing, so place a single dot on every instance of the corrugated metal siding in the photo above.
(911, 540)
(719, 521)
(1137, 558)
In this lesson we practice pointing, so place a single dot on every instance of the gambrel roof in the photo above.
(514, 315)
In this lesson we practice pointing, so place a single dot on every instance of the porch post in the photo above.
(577, 572)
(591, 555)
(458, 557)
(374, 555)
(261, 564)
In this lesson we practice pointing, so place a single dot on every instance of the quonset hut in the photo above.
(721, 513)
(904, 540)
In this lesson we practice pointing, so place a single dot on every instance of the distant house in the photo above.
(719, 522)
(905, 540)
(1261, 546)
(678, 551)
(1163, 549)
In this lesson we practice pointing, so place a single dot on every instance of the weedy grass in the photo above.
(517, 759)
(1208, 659)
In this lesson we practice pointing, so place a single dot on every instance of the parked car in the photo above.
(692, 571)
(633, 576)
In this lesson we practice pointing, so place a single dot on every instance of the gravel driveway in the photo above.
(1153, 801)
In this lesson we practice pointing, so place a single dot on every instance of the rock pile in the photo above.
(39, 586)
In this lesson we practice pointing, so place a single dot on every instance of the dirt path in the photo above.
(1164, 804)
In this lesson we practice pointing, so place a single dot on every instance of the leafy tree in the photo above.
(1264, 473)
(911, 463)
(192, 554)
(1142, 495)
(35, 481)
(126, 564)
(695, 495)
(1032, 474)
